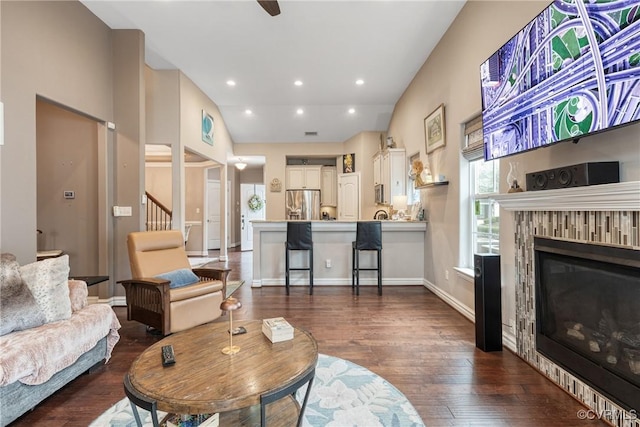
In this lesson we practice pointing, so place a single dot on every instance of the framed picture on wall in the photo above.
(349, 163)
(207, 127)
(434, 129)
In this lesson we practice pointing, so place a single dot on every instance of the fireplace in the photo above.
(587, 301)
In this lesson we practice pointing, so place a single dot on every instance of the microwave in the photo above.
(379, 193)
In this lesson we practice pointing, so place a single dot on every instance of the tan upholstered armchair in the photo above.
(152, 301)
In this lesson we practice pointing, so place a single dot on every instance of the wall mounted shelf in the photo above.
(434, 184)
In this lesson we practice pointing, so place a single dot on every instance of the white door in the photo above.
(349, 197)
(247, 215)
(213, 215)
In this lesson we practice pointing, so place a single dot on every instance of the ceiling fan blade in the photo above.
(271, 6)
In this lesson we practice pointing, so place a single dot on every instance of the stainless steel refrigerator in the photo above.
(302, 204)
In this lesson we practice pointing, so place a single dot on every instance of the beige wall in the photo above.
(252, 175)
(365, 145)
(158, 182)
(275, 163)
(192, 102)
(451, 76)
(67, 160)
(158, 177)
(174, 112)
(130, 136)
(62, 52)
(162, 100)
(76, 61)
(194, 205)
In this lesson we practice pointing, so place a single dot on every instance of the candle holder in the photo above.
(230, 304)
(512, 178)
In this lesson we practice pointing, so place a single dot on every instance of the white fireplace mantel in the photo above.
(622, 196)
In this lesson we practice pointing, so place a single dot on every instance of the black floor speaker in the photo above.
(488, 302)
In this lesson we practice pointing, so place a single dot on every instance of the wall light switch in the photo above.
(122, 211)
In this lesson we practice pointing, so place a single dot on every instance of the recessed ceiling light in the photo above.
(231, 83)
(248, 112)
(359, 82)
(352, 110)
(299, 111)
(298, 83)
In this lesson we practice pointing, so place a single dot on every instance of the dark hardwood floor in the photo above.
(408, 336)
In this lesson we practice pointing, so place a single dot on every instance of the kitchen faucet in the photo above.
(381, 214)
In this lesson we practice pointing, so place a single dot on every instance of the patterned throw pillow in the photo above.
(47, 281)
(18, 308)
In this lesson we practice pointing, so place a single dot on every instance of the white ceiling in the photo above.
(326, 44)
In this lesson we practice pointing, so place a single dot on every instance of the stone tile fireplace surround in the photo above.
(602, 214)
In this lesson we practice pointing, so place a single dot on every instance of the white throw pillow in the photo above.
(47, 281)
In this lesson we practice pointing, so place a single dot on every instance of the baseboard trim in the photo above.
(417, 281)
(197, 253)
(112, 301)
(508, 340)
(447, 298)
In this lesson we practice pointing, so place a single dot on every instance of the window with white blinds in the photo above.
(480, 216)
(473, 149)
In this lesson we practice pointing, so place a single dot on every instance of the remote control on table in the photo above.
(168, 358)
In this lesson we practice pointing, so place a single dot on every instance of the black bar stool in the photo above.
(368, 238)
(299, 239)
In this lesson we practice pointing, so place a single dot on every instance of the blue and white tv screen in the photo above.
(572, 71)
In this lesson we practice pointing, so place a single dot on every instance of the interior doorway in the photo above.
(250, 209)
(213, 214)
(68, 186)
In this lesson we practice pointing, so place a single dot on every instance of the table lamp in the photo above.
(230, 304)
(400, 205)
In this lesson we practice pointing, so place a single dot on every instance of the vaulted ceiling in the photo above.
(325, 45)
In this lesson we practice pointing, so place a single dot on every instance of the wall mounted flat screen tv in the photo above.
(572, 71)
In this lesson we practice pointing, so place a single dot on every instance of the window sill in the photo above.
(465, 273)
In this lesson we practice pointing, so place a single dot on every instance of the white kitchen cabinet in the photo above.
(393, 173)
(303, 177)
(328, 190)
(377, 169)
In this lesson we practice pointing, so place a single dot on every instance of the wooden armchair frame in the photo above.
(151, 300)
(148, 299)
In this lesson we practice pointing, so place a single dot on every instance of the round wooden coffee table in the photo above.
(203, 380)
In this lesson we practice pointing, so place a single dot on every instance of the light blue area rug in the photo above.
(233, 286)
(343, 394)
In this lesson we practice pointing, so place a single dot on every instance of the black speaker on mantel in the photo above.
(579, 175)
(488, 302)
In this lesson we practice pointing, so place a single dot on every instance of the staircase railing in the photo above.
(159, 217)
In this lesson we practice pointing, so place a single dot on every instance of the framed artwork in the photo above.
(207, 127)
(434, 128)
(348, 163)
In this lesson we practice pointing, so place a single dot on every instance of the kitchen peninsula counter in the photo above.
(403, 251)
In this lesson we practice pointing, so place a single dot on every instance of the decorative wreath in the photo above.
(255, 203)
